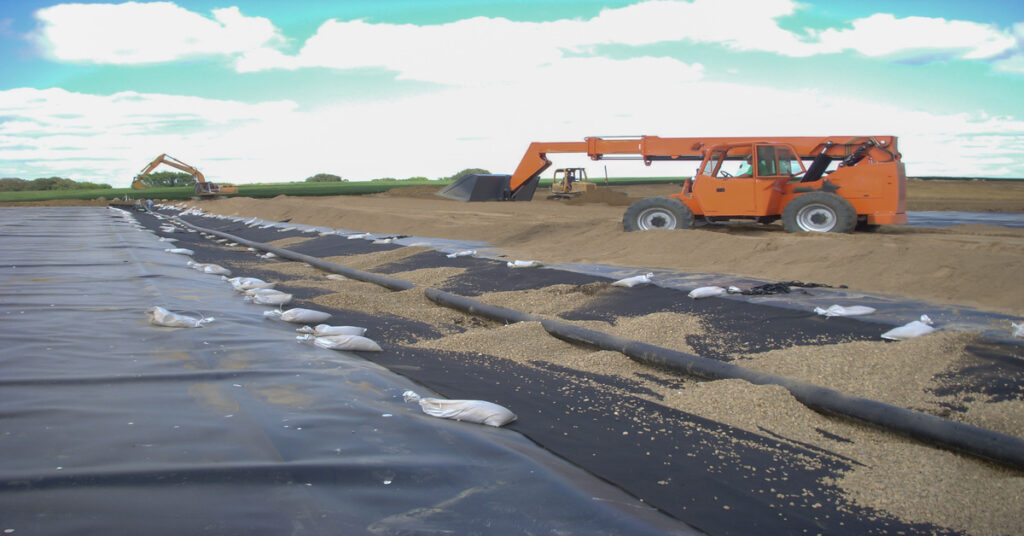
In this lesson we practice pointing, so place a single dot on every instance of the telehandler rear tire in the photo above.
(819, 212)
(657, 213)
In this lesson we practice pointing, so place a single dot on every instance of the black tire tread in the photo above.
(684, 216)
(846, 216)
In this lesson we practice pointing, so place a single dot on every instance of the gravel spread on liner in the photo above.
(914, 482)
(366, 261)
(289, 241)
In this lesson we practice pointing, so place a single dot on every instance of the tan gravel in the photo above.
(895, 475)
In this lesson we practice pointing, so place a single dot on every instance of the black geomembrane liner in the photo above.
(679, 468)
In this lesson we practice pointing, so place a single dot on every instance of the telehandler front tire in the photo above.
(819, 212)
(657, 213)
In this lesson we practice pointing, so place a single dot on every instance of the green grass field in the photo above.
(272, 189)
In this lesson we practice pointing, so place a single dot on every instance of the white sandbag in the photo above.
(299, 315)
(242, 284)
(357, 236)
(1018, 329)
(206, 268)
(268, 255)
(266, 296)
(255, 291)
(180, 251)
(216, 269)
(326, 330)
(910, 330)
(463, 253)
(475, 411)
(337, 277)
(383, 241)
(162, 317)
(631, 282)
(706, 292)
(354, 343)
(839, 310)
(523, 264)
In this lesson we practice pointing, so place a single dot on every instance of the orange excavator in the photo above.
(817, 184)
(203, 188)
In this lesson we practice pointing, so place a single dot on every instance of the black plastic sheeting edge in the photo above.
(967, 439)
(351, 273)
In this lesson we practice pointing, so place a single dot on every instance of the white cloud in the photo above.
(501, 83)
(486, 51)
(109, 138)
(483, 51)
(885, 35)
(134, 33)
(1015, 62)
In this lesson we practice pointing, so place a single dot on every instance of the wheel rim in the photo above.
(817, 218)
(656, 218)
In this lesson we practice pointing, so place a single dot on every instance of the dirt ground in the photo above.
(968, 265)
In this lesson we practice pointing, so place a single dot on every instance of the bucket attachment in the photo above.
(488, 188)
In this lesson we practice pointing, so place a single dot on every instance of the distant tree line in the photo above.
(325, 177)
(12, 184)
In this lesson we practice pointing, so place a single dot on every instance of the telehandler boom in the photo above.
(203, 188)
(757, 178)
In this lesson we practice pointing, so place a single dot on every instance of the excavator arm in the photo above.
(170, 161)
(202, 189)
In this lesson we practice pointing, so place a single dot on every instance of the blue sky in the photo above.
(265, 90)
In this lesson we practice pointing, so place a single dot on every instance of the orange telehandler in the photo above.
(203, 188)
(757, 178)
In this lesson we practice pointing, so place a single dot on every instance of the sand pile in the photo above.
(966, 265)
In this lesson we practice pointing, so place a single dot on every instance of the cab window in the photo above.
(766, 161)
(736, 163)
(712, 164)
(777, 161)
(789, 164)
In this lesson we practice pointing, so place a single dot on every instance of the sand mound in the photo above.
(967, 265)
(602, 195)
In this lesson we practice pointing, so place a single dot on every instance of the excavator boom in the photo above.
(203, 188)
